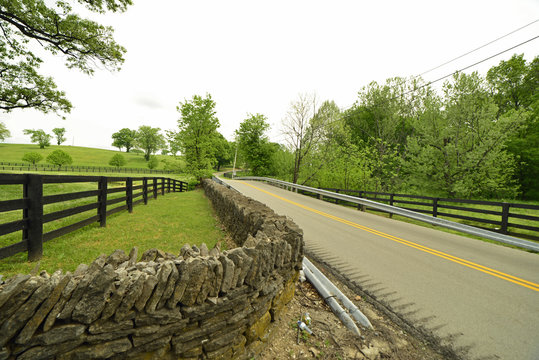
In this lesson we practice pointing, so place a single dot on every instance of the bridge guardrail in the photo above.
(506, 239)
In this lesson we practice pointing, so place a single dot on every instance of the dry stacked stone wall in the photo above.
(198, 304)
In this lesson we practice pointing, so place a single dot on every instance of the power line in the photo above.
(480, 47)
(467, 67)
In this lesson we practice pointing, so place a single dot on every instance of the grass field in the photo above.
(166, 223)
(81, 156)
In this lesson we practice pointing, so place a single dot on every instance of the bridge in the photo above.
(481, 298)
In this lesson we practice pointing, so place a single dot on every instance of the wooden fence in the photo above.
(8, 166)
(33, 201)
(507, 213)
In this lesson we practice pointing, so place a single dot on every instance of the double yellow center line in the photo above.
(472, 265)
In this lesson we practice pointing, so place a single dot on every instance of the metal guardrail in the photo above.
(506, 239)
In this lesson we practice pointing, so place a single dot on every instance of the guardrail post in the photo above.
(129, 193)
(155, 188)
(102, 199)
(391, 203)
(505, 217)
(435, 207)
(33, 191)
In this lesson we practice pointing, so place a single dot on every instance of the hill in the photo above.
(82, 156)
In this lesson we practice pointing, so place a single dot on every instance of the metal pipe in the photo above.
(330, 299)
(354, 310)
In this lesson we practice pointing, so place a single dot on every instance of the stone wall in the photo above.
(199, 304)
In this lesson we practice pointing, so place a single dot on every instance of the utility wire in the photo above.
(467, 67)
(480, 47)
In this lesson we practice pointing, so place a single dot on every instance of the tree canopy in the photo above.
(197, 132)
(39, 137)
(125, 138)
(4, 132)
(59, 133)
(59, 158)
(55, 27)
(149, 140)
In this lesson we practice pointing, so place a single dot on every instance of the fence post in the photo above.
(145, 190)
(129, 193)
(505, 217)
(33, 191)
(162, 186)
(102, 199)
(435, 207)
(168, 184)
(155, 188)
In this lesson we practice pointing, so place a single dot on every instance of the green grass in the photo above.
(166, 223)
(82, 156)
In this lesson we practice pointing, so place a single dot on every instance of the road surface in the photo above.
(481, 298)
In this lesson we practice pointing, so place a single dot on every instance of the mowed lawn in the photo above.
(166, 223)
(82, 156)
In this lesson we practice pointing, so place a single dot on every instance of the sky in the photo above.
(258, 56)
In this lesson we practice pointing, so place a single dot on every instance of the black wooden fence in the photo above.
(8, 166)
(438, 207)
(33, 200)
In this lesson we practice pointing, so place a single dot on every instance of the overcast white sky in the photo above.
(257, 56)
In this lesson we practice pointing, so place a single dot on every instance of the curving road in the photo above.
(481, 298)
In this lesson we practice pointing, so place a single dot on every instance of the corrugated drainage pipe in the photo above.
(356, 313)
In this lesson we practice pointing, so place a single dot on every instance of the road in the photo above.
(480, 297)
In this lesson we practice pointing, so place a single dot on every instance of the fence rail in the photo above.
(435, 207)
(100, 169)
(363, 203)
(33, 201)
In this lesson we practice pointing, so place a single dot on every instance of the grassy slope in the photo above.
(166, 223)
(81, 156)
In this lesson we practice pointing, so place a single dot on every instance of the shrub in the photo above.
(32, 157)
(59, 158)
(117, 160)
(153, 162)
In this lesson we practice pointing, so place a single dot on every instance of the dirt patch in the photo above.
(332, 340)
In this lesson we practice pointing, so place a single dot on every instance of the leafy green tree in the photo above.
(223, 151)
(59, 132)
(457, 148)
(153, 162)
(254, 145)
(125, 138)
(55, 27)
(515, 87)
(39, 137)
(149, 140)
(4, 132)
(197, 132)
(174, 145)
(59, 158)
(32, 157)
(117, 160)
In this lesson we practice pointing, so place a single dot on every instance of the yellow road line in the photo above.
(472, 265)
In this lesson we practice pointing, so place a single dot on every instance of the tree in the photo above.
(39, 137)
(457, 148)
(153, 162)
(254, 145)
(174, 145)
(197, 131)
(59, 132)
(59, 158)
(83, 43)
(125, 138)
(117, 160)
(4, 132)
(223, 152)
(515, 87)
(32, 157)
(149, 140)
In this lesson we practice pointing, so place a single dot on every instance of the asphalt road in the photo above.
(481, 298)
